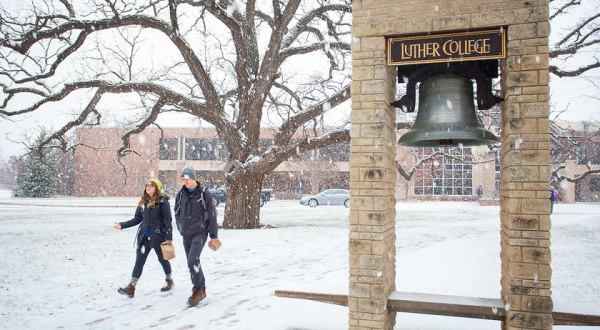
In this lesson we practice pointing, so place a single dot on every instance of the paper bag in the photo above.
(168, 251)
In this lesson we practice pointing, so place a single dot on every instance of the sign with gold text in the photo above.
(447, 47)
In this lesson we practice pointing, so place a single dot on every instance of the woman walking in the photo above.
(153, 214)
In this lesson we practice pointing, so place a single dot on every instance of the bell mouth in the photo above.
(442, 138)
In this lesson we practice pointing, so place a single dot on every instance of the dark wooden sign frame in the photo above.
(447, 47)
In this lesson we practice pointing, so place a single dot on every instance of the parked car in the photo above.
(328, 197)
(220, 195)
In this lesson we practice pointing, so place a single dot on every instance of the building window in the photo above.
(448, 175)
(221, 150)
(168, 149)
(595, 184)
(588, 154)
(199, 149)
(211, 179)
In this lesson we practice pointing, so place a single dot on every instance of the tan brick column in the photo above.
(372, 183)
(525, 173)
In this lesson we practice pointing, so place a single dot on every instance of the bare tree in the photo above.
(578, 144)
(580, 38)
(235, 67)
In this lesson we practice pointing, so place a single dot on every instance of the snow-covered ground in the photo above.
(62, 262)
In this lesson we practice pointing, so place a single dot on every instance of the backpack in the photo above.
(201, 199)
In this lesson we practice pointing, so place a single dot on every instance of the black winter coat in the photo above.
(157, 220)
(195, 212)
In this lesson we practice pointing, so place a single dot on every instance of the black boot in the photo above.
(167, 287)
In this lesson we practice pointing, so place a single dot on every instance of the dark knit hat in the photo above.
(188, 172)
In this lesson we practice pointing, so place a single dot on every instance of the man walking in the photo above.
(196, 219)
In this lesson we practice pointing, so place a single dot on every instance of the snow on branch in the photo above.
(581, 37)
(325, 45)
(304, 22)
(275, 156)
(289, 127)
(573, 73)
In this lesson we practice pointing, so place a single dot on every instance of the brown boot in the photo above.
(196, 297)
(129, 290)
(167, 287)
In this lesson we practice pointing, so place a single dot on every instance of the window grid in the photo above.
(445, 176)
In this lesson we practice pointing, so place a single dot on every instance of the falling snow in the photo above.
(458, 257)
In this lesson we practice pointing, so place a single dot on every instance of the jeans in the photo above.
(193, 246)
(142, 252)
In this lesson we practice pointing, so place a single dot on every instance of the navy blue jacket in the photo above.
(195, 212)
(156, 221)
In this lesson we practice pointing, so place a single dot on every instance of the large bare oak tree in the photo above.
(237, 67)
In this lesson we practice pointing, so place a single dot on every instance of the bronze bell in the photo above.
(446, 115)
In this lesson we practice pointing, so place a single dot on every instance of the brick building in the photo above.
(445, 178)
(99, 174)
(576, 145)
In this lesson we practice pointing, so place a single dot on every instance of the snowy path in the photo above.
(62, 264)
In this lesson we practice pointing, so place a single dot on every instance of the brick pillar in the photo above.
(372, 184)
(525, 174)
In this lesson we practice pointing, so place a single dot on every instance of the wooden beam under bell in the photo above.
(435, 304)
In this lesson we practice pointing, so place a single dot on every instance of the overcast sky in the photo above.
(577, 96)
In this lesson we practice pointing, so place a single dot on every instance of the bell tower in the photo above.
(442, 47)
(451, 43)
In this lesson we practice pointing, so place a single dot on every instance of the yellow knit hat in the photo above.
(158, 184)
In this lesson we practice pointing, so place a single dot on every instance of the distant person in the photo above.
(196, 219)
(553, 198)
(479, 192)
(153, 214)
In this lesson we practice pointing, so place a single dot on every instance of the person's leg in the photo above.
(187, 244)
(166, 265)
(140, 259)
(196, 274)
(193, 259)
(141, 255)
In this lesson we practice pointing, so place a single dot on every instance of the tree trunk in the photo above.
(242, 209)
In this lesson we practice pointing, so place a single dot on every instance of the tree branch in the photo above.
(278, 154)
(289, 127)
(194, 64)
(574, 73)
(126, 147)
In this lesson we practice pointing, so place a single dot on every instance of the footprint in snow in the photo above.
(98, 321)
